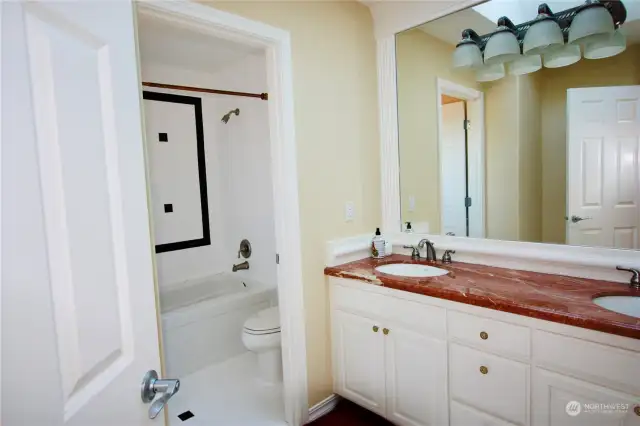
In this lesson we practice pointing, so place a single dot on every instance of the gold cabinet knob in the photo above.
(636, 410)
(385, 331)
(484, 335)
(375, 329)
(483, 369)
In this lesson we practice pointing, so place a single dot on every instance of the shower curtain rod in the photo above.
(263, 96)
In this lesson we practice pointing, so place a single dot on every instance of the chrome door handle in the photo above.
(151, 386)
(576, 219)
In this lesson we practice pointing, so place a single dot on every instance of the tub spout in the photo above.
(240, 266)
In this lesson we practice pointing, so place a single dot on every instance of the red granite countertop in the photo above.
(556, 298)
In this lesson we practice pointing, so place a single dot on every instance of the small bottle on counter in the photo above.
(377, 245)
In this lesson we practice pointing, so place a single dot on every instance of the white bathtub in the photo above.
(202, 320)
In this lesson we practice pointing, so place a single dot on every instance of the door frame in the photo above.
(476, 146)
(277, 44)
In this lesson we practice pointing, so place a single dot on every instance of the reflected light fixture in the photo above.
(551, 39)
(606, 46)
(544, 34)
(503, 45)
(592, 20)
(567, 55)
(467, 53)
(490, 73)
(525, 65)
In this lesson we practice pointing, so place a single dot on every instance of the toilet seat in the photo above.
(264, 322)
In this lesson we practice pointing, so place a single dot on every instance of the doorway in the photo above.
(461, 159)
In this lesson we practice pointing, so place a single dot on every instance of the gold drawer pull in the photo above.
(484, 370)
(375, 329)
(636, 410)
(385, 331)
(484, 335)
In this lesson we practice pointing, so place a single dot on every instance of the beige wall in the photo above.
(421, 60)
(529, 155)
(620, 70)
(501, 142)
(336, 117)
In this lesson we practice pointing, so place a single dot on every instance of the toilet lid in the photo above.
(266, 321)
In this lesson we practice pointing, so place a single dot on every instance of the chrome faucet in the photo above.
(240, 266)
(431, 251)
(415, 252)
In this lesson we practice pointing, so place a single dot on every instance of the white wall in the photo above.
(238, 173)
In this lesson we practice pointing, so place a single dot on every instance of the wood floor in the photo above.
(347, 413)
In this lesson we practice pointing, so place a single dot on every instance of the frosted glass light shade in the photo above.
(467, 55)
(606, 46)
(525, 64)
(566, 55)
(502, 47)
(543, 35)
(589, 24)
(490, 72)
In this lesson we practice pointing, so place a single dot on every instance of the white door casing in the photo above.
(475, 151)
(79, 305)
(453, 185)
(603, 178)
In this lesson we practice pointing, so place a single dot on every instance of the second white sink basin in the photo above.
(628, 305)
(411, 270)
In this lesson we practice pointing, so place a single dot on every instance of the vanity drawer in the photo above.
(604, 365)
(490, 335)
(461, 415)
(489, 383)
(425, 319)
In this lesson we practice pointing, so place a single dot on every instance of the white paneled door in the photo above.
(603, 178)
(79, 326)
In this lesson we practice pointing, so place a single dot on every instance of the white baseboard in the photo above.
(323, 407)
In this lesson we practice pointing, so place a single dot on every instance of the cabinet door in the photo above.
(416, 368)
(358, 357)
(563, 401)
(462, 415)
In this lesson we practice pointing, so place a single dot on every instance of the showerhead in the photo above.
(227, 116)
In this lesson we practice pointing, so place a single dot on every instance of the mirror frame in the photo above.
(391, 18)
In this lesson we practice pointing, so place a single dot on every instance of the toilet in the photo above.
(261, 335)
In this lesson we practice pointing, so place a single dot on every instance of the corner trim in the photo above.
(323, 407)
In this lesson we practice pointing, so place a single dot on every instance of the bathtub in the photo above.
(202, 320)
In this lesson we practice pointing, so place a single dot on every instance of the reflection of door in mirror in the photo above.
(453, 163)
(603, 185)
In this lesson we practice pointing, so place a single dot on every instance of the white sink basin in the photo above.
(628, 305)
(411, 270)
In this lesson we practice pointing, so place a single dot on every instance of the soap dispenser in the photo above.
(377, 245)
(408, 229)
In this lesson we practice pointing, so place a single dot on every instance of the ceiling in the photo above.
(176, 46)
(482, 18)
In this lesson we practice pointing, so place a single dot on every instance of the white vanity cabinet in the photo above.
(394, 369)
(418, 360)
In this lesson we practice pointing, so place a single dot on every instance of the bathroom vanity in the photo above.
(482, 345)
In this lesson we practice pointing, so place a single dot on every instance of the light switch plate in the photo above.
(349, 211)
(412, 203)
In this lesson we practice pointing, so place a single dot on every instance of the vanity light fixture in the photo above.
(503, 45)
(551, 39)
(467, 53)
(607, 46)
(544, 34)
(592, 20)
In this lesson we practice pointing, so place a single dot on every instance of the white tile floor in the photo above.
(228, 394)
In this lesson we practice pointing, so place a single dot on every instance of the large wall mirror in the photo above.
(523, 130)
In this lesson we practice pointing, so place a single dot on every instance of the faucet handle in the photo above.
(415, 252)
(446, 257)
(635, 278)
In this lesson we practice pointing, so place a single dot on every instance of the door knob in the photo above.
(576, 219)
(151, 386)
